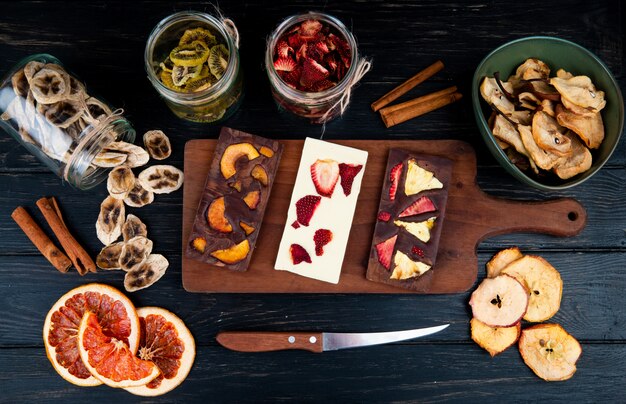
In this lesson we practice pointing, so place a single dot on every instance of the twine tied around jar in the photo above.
(231, 28)
(97, 126)
(363, 66)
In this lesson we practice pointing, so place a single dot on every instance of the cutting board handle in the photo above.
(559, 217)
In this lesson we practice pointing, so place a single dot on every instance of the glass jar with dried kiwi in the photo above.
(192, 60)
(59, 120)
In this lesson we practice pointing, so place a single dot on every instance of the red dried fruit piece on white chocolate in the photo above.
(347, 173)
(394, 178)
(385, 251)
(321, 238)
(312, 72)
(325, 174)
(306, 207)
(284, 64)
(299, 254)
(422, 205)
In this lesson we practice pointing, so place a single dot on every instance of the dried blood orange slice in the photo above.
(166, 341)
(115, 313)
(110, 360)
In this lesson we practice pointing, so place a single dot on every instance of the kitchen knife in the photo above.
(251, 341)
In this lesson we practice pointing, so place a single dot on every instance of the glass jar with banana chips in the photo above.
(193, 62)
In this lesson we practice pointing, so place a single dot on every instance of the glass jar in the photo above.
(321, 106)
(210, 105)
(53, 115)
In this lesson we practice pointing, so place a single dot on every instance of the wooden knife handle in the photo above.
(247, 341)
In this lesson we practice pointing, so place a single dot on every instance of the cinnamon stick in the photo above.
(36, 235)
(81, 260)
(407, 85)
(418, 100)
(410, 112)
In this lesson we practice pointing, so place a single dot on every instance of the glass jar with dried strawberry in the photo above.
(192, 60)
(312, 62)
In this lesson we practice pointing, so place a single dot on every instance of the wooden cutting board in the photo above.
(471, 217)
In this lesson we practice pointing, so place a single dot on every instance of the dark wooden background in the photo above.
(103, 43)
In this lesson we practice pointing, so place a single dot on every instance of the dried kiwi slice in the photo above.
(204, 80)
(182, 74)
(166, 79)
(198, 34)
(193, 54)
(167, 65)
(218, 60)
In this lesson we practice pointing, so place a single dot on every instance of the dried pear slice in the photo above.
(109, 159)
(134, 252)
(31, 68)
(63, 113)
(120, 182)
(139, 196)
(580, 90)
(193, 54)
(110, 220)
(197, 34)
(137, 156)
(549, 135)
(133, 227)
(499, 302)
(146, 274)
(579, 161)
(494, 340)
(109, 256)
(549, 351)
(20, 84)
(50, 85)
(157, 144)
(161, 179)
(502, 258)
(507, 132)
(588, 126)
(533, 69)
(542, 158)
(493, 95)
(218, 60)
(543, 283)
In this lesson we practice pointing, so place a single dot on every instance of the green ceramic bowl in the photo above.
(558, 54)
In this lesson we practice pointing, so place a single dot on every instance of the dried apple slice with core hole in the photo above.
(494, 340)
(501, 260)
(499, 302)
(543, 283)
(549, 351)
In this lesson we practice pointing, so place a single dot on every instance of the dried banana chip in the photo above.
(109, 159)
(120, 182)
(20, 84)
(134, 252)
(139, 196)
(194, 54)
(31, 68)
(110, 220)
(161, 179)
(157, 144)
(137, 156)
(77, 90)
(62, 113)
(50, 85)
(97, 109)
(146, 274)
(133, 227)
(109, 256)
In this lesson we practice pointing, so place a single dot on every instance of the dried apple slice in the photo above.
(549, 351)
(233, 254)
(543, 283)
(501, 260)
(232, 154)
(215, 216)
(499, 302)
(494, 340)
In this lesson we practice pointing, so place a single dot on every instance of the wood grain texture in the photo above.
(267, 341)
(471, 217)
(103, 43)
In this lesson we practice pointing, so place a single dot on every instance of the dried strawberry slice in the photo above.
(312, 72)
(317, 51)
(385, 250)
(306, 207)
(295, 40)
(347, 173)
(283, 49)
(302, 52)
(322, 85)
(299, 254)
(394, 178)
(310, 27)
(321, 238)
(292, 77)
(384, 216)
(284, 64)
(422, 205)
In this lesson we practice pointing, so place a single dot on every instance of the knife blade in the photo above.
(252, 341)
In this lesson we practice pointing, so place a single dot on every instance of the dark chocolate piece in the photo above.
(406, 242)
(236, 210)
